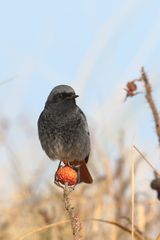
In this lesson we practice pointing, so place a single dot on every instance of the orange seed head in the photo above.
(68, 175)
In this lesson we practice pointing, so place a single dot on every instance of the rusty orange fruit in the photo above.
(68, 175)
(132, 86)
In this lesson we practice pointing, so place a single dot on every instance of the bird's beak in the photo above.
(75, 96)
(72, 96)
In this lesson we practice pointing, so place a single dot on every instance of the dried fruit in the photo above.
(66, 174)
(131, 89)
(131, 86)
(155, 184)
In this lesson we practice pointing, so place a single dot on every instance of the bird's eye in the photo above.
(61, 95)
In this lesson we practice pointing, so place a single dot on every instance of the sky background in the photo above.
(94, 46)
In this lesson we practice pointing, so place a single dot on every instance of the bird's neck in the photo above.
(62, 108)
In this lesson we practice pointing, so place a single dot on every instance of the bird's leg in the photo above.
(74, 164)
(55, 176)
(60, 165)
(69, 164)
(65, 161)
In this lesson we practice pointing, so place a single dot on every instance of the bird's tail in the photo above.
(85, 175)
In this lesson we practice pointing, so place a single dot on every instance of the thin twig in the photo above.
(73, 215)
(7, 80)
(151, 102)
(137, 235)
(144, 158)
(52, 225)
(39, 229)
(132, 196)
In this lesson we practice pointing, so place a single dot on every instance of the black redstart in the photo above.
(63, 130)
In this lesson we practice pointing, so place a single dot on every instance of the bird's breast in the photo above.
(64, 137)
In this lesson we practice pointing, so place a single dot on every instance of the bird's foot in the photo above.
(59, 184)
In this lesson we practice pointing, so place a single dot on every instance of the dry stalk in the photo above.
(145, 159)
(132, 195)
(138, 235)
(73, 215)
(151, 102)
(158, 237)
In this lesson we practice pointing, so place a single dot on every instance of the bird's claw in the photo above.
(62, 185)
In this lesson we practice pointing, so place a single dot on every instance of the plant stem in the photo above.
(151, 102)
(73, 215)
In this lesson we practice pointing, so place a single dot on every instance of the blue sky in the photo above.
(94, 46)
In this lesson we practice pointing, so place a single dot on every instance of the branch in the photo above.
(151, 102)
(73, 215)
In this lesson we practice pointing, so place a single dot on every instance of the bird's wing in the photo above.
(84, 120)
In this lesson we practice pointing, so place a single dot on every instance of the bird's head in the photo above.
(61, 94)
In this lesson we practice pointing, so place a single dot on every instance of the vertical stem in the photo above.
(151, 102)
(132, 187)
(73, 215)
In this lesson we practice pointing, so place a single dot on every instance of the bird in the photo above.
(63, 131)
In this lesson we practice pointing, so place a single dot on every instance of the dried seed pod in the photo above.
(131, 86)
(155, 184)
(131, 89)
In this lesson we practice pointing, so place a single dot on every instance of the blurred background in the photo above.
(96, 47)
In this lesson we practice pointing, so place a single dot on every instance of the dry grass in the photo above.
(104, 209)
(114, 207)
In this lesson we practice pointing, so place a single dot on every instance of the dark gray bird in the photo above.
(63, 130)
